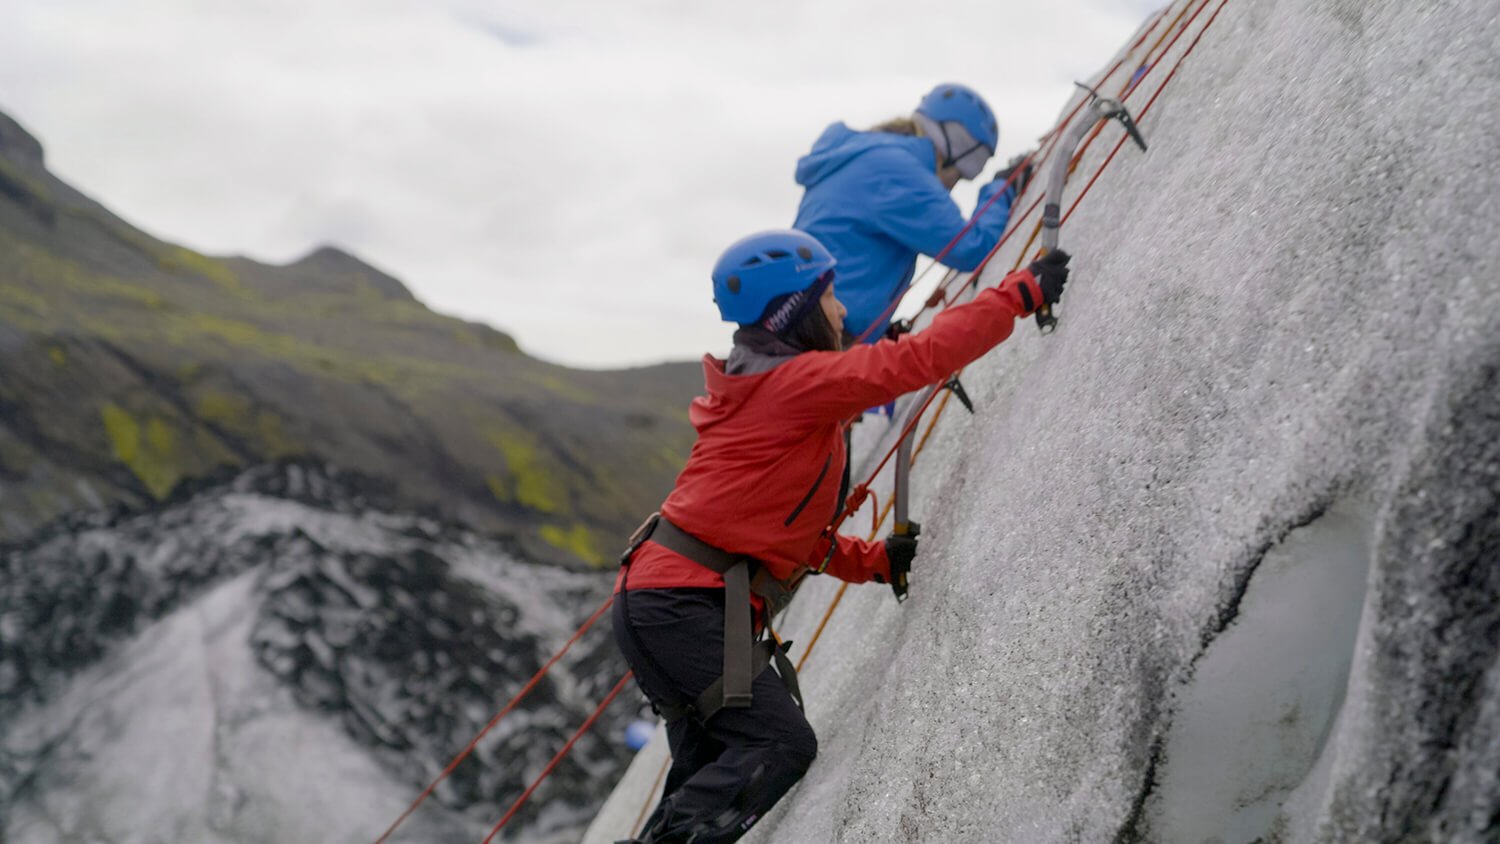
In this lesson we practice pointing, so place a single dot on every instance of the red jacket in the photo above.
(763, 478)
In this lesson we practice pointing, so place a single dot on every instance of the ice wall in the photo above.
(1284, 323)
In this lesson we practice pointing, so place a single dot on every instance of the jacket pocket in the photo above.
(827, 461)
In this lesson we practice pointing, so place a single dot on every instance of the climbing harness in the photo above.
(744, 658)
(1101, 109)
(861, 492)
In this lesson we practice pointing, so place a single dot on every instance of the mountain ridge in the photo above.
(133, 364)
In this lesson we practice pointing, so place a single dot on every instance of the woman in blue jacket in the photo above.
(878, 198)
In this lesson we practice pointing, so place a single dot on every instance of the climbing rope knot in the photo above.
(856, 500)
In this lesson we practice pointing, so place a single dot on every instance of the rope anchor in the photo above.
(1101, 108)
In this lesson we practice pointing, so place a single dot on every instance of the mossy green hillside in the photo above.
(531, 481)
(576, 540)
(26, 191)
(175, 258)
(148, 364)
(160, 450)
(239, 416)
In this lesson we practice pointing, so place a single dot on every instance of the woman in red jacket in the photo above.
(746, 519)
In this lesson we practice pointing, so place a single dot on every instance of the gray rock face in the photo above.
(1230, 538)
(293, 665)
(327, 269)
(20, 145)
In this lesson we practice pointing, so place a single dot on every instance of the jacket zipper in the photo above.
(827, 461)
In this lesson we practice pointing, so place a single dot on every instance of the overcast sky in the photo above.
(567, 171)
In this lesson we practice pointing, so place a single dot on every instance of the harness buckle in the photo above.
(640, 536)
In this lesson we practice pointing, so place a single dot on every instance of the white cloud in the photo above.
(567, 172)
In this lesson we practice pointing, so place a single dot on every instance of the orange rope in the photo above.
(857, 498)
(1026, 248)
(1047, 143)
(1148, 62)
(635, 828)
(939, 294)
(874, 532)
(973, 218)
(1147, 108)
(938, 413)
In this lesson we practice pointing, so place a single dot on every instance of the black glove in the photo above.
(897, 328)
(1051, 272)
(1023, 178)
(900, 549)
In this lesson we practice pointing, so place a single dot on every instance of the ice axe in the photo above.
(904, 526)
(1100, 108)
(901, 495)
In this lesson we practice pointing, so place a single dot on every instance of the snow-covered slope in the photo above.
(1220, 559)
(274, 659)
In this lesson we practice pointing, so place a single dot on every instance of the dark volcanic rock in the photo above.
(405, 632)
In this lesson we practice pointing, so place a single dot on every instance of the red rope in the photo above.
(520, 801)
(1046, 145)
(525, 690)
(1078, 156)
(906, 431)
(973, 218)
(910, 426)
(1150, 102)
(1050, 138)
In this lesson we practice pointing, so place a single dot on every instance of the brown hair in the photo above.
(815, 333)
(899, 126)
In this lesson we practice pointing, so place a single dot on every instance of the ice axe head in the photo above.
(1101, 108)
(1109, 108)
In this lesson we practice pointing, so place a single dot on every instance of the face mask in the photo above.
(955, 146)
(964, 153)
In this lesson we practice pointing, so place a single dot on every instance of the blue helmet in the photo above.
(957, 103)
(758, 268)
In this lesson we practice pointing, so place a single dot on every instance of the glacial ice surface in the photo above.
(1286, 312)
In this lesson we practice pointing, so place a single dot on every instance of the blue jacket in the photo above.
(874, 199)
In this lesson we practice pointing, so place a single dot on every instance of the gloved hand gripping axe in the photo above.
(1100, 108)
(904, 527)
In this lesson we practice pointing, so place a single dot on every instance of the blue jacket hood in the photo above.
(838, 145)
(875, 201)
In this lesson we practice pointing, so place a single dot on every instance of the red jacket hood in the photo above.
(726, 394)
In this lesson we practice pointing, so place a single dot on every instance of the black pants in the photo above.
(728, 772)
